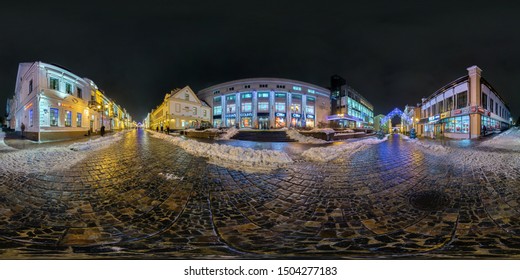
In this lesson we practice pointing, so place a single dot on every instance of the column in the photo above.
(272, 109)
(288, 109)
(474, 74)
(254, 103)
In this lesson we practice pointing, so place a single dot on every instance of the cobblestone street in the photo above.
(144, 198)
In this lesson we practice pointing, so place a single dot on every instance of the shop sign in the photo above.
(296, 115)
(458, 111)
(445, 115)
(280, 115)
(434, 118)
(473, 109)
(481, 110)
(231, 115)
(246, 114)
(310, 116)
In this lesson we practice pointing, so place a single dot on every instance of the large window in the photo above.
(54, 115)
(457, 124)
(449, 103)
(217, 110)
(68, 118)
(80, 92)
(78, 120)
(30, 86)
(54, 84)
(462, 100)
(246, 107)
(31, 120)
(280, 107)
(310, 110)
(230, 108)
(195, 110)
(484, 101)
(263, 106)
(263, 95)
(68, 88)
(491, 105)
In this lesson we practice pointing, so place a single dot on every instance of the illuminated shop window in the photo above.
(54, 113)
(217, 110)
(78, 119)
(68, 118)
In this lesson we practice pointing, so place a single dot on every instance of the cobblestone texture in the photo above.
(144, 198)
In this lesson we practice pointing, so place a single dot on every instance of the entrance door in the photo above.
(91, 126)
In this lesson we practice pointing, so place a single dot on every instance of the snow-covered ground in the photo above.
(340, 152)
(245, 159)
(3, 146)
(507, 163)
(509, 140)
(426, 145)
(295, 135)
(52, 159)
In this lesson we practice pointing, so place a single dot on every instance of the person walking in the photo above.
(102, 132)
(22, 127)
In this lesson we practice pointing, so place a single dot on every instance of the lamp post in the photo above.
(99, 110)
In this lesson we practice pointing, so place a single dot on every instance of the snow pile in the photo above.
(230, 132)
(97, 143)
(509, 140)
(349, 133)
(295, 135)
(325, 130)
(52, 159)
(3, 146)
(427, 145)
(231, 157)
(326, 154)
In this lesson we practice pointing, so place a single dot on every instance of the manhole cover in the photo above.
(430, 200)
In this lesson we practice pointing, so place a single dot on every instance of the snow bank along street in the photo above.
(339, 152)
(228, 156)
(56, 158)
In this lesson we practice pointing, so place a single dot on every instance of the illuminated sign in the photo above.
(280, 114)
(231, 115)
(296, 115)
(297, 88)
(311, 91)
(434, 118)
(445, 115)
(246, 114)
(310, 116)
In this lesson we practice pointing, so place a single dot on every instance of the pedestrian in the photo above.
(22, 127)
(102, 132)
(167, 130)
(484, 130)
(157, 128)
(161, 128)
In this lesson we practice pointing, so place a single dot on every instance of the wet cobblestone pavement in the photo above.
(144, 198)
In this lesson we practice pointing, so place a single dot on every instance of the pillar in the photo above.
(474, 95)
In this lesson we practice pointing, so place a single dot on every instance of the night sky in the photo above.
(394, 52)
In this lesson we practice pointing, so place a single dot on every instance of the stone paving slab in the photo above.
(143, 198)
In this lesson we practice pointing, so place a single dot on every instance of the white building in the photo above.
(53, 104)
(180, 109)
(267, 103)
(463, 109)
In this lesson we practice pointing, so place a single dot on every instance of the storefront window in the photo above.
(78, 119)
(68, 118)
(457, 124)
(245, 122)
(54, 117)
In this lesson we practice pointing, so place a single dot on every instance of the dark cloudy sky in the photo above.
(392, 52)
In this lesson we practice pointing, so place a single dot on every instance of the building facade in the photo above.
(349, 109)
(264, 103)
(180, 109)
(52, 103)
(466, 108)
